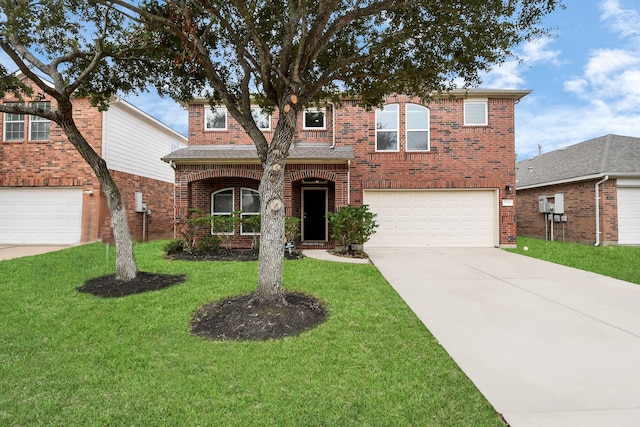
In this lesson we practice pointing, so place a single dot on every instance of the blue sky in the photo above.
(585, 80)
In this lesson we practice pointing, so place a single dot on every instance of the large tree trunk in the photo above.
(272, 211)
(126, 267)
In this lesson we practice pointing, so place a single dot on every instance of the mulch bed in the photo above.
(228, 255)
(110, 287)
(240, 318)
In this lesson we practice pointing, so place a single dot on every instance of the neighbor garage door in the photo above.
(40, 215)
(629, 215)
(433, 218)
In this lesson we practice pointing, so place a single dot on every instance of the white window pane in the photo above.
(387, 117)
(216, 119)
(14, 131)
(223, 202)
(417, 117)
(262, 120)
(417, 140)
(475, 113)
(387, 141)
(39, 131)
(314, 119)
(250, 201)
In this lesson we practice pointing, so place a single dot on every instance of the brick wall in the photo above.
(579, 203)
(461, 157)
(56, 163)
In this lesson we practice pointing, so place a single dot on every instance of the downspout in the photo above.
(349, 182)
(606, 178)
(333, 124)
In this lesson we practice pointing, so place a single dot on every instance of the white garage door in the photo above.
(629, 216)
(40, 215)
(433, 218)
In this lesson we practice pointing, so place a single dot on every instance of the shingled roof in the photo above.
(613, 155)
(198, 154)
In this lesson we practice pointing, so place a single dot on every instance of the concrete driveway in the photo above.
(8, 251)
(547, 345)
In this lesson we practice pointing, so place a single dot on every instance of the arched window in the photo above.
(250, 207)
(222, 206)
(417, 128)
(387, 125)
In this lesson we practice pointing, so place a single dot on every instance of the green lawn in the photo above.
(71, 359)
(621, 262)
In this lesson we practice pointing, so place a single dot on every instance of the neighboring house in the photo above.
(438, 173)
(50, 195)
(592, 190)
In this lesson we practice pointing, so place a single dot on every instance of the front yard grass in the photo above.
(620, 262)
(71, 359)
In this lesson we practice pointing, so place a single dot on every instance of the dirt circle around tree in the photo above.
(241, 318)
(111, 287)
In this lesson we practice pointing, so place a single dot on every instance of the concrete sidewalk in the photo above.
(547, 345)
(9, 251)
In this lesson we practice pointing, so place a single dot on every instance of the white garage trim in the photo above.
(629, 215)
(39, 215)
(434, 218)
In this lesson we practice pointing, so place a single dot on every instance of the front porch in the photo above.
(312, 188)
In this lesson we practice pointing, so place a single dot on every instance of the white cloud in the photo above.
(509, 74)
(625, 21)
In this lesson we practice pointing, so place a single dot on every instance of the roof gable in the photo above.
(612, 155)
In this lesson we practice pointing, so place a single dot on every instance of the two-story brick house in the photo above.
(50, 195)
(437, 173)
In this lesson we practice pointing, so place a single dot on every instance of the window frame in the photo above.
(258, 110)
(322, 110)
(396, 130)
(228, 214)
(472, 103)
(407, 130)
(33, 120)
(209, 110)
(14, 121)
(244, 214)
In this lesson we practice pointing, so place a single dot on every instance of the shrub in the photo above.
(208, 244)
(192, 229)
(291, 228)
(352, 224)
(174, 246)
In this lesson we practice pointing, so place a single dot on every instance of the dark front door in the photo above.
(314, 214)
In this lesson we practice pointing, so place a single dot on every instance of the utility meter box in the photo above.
(140, 207)
(558, 203)
(543, 204)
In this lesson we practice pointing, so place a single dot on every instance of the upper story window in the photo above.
(417, 128)
(222, 205)
(387, 126)
(475, 112)
(315, 119)
(250, 206)
(13, 124)
(262, 119)
(215, 119)
(38, 126)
